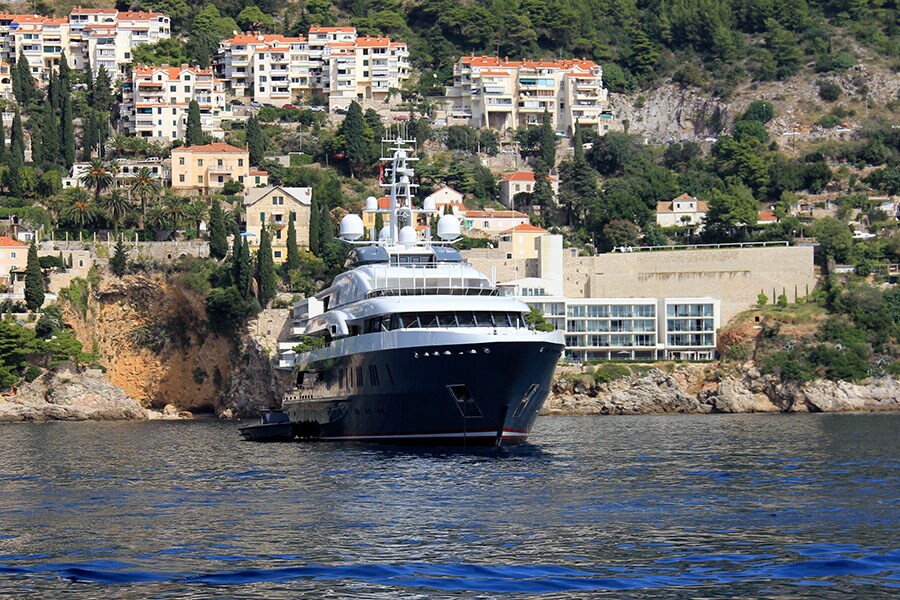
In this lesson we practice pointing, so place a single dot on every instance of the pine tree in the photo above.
(34, 280)
(194, 133)
(314, 226)
(292, 261)
(265, 269)
(548, 141)
(218, 237)
(119, 262)
(17, 143)
(67, 130)
(256, 143)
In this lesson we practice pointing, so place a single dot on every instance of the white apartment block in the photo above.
(503, 94)
(333, 61)
(90, 37)
(155, 102)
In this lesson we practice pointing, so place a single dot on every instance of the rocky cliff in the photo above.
(154, 339)
(703, 389)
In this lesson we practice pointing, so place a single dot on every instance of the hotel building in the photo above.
(504, 94)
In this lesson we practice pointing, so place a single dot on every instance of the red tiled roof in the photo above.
(523, 176)
(315, 29)
(767, 215)
(525, 227)
(259, 172)
(373, 42)
(495, 61)
(6, 242)
(495, 214)
(211, 148)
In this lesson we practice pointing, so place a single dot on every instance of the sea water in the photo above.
(645, 506)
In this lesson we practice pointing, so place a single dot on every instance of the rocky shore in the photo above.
(69, 395)
(700, 389)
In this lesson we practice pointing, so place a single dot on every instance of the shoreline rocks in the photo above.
(68, 395)
(694, 390)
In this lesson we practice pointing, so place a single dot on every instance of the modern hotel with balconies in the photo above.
(503, 94)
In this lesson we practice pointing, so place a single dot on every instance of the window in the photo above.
(262, 217)
(187, 89)
(181, 178)
(181, 160)
(200, 179)
(277, 253)
(199, 162)
(220, 162)
(240, 162)
(13, 255)
(172, 88)
(221, 179)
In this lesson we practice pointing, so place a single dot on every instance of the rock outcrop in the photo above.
(745, 391)
(69, 395)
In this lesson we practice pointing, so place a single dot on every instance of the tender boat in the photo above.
(273, 426)
(411, 344)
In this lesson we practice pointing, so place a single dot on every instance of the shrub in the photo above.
(610, 372)
(226, 309)
(829, 91)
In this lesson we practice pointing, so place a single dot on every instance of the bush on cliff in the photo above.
(611, 372)
(226, 309)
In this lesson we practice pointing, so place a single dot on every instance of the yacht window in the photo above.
(428, 319)
(465, 319)
(483, 319)
(410, 321)
(447, 319)
(501, 320)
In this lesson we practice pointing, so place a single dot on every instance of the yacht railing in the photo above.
(423, 279)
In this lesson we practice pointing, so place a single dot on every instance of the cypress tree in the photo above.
(53, 91)
(265, 269)
(356, 147)
(579, 144)
(119, 262)
(65, 73)
(326, 230)
(34, 280)
(101, 96)
(314, 226)
(23, 83)
(218, 237)
(194, 133)
(293, 255)
(3, 151)
(548, 141)
(17, 143)
(67, 131)
(256, 143)
(245, 273)
(49, 136)
(62, 261)
(69, 261)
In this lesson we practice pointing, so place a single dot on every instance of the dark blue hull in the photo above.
(474, 394)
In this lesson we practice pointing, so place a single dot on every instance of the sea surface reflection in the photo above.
(713, 506)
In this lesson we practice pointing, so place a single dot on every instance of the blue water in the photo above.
(685, 506)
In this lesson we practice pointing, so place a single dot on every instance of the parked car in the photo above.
(236, 102)
(289, 106)
(317, 108)
(255, 104)
(340, 110)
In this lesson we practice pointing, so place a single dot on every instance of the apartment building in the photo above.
(273, 207)
(332, 61)
(91, 38)
(5, 80)
(155, 102)
(503, 94)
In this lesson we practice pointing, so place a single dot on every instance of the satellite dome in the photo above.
(385, 233)
(407, 235)
(448, 227)
(352, 227)
(371, 203)
(429, 204)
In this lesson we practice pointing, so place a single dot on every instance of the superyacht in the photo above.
(411, 344)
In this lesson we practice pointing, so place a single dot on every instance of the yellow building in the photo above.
(209, 167)
(522, 240)
(273, 206)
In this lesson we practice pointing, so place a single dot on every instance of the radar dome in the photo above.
(385, 233)
(352, 227)
(429, 204)
(448, 227)
(371, 203)
(407, 235)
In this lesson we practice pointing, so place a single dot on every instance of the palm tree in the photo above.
(146, 185)
(196, 213)
(174, 206)
(98, 176)
(116, 205)
(156, 217)
(81, 212)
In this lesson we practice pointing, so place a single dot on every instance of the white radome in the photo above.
(371, 204)
(352, 227)
(407, 235)
(429, 204)
(448, 227)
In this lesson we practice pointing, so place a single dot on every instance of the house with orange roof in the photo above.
(156, 100)
(209, 167)
(521, 182)
(447, 200)
(13, 257)
(503, 94)
(272, 207)
(522, 240)
(683, 211)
